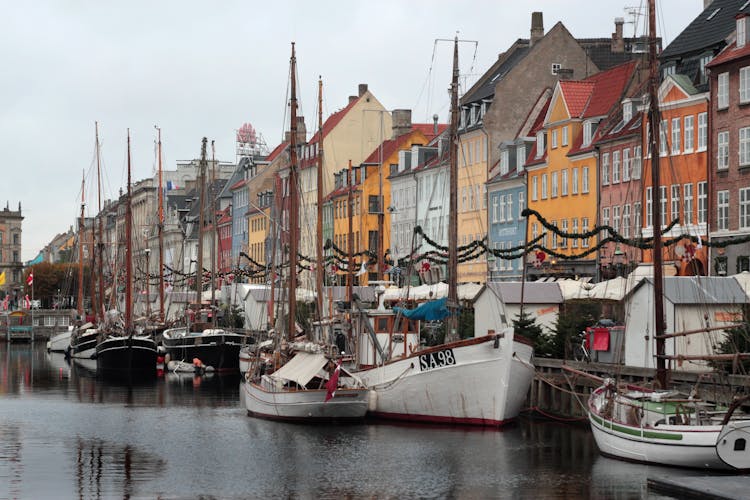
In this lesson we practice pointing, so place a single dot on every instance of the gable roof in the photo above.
(704, 33)
(700, 289)
(277, 151)
(534, 292)
(576, 96)
(333, 120)
(485, 86)
(729, 54)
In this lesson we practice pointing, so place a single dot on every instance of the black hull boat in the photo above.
(215, 347)
(83, 342)
(126, 357)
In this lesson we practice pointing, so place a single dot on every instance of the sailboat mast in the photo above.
(100, 236)
(212, 220)
(81, 233)
(293, 200)
(452, 333)
(201, 221)
(659, 327)
(319, 236)
(349, 239)
(129, 254)
(161, 232)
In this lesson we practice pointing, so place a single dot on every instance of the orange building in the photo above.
(683, 168)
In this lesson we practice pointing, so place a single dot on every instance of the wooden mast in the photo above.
(319, 268)
(293, 201)
(659, 327)
(129, 254)
(350, 240)
(100, 237)
(212, 221)
(452, 333)
(81, 233)
(201, 221)
(161, 234)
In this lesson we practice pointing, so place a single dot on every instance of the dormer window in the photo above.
(539, 144)
(741, 31)
(504, 161)
(587, 128)
(627, 111)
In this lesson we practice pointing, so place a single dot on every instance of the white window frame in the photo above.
(544, 186)
(555, 188)
(534, 187)
(744, 84)
(722, 210)
(687, 204)
(626, 165)
(605, 216)
(722, 91)
(501, 217)
(574, 181)
(509, 207)
(605, 169)
(722, 150)
(585, 180)
(564, 229)
(553, 138)
(584, 229)
(702, 202)
(689, 134)
(741, 29)
(521, 204)
(663, 149)
(564, 182)
(676, 136)
(637, 162)
(626, 221)
(702, 131)
(649, 206)
(637, 218)
(565, 135)
(663, 204)
(744, 147)
(616, 167)
(539, 144)
(744, 209)
(574, 230)
(675, 202)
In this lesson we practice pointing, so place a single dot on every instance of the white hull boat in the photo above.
(478, 381)
(649, 428)
(60, 342)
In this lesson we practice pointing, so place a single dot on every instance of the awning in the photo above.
(301, 368)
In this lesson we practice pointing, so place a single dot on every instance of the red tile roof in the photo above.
(608, 89)
(237, 184)
(277, 151)
(576, 95)
(730, 53)
(428, 129)
(332, 121)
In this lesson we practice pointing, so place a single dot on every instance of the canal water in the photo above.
(65, 434)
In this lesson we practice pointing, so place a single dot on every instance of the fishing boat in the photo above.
(60, 342)
(308, 385)
(475, 381)
(120, 351)
(200, 338)
(664, 426)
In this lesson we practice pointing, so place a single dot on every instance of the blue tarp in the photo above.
(429, 311)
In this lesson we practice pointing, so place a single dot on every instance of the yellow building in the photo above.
(472, 200)
(562, 170)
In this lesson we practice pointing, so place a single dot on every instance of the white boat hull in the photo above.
(481, 381)
(59, 342)
(305, 405)
(692, 446)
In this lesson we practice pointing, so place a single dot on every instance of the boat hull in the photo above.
(690, 446)
(481, 381)
(84, 346)
(126, 357)
(305, 406)
(220, 351)
(59, 342)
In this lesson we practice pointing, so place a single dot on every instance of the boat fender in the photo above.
(167, 359)
(372, 401)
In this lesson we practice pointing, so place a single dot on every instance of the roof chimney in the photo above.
(618, 42)
(537, 28)
(301, 131)
(352, 98)
(401, 122)
(565, 73)
(362, 89)
(435, 127)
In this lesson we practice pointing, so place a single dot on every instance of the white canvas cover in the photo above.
(301, 368)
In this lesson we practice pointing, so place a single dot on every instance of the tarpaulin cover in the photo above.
(429, 311)
(601, 339)
(301, 368)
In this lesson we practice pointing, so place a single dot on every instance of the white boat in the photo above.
(296, 392)
(83, 342)
(664, 427)
(60, 342)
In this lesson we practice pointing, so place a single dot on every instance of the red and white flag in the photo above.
(26, 302)
(30, 279)
(333, 382)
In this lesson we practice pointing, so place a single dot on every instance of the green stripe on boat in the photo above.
(637, 432)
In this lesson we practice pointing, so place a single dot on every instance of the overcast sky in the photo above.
(204, 68)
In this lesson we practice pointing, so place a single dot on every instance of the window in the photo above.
(574, 181)
(637, 218)
(744, 208)
(484, 196)
(534, 185)
(534, 231)
(495, 218)
(521, 204)
(745, 84)
(689, 139)
(744, 146)
(676, 137)
(574, 230)
(564, 182)
(615, 167)
(688, 204)
(520, 157)
(554, 235)
(663, 204)
(553, 138)
(626, 164)
(649, 206)
(587, 133)
(722, 151)
(616, 218)
(584, 229)
(555, 185)
(675, 214)
(555, 68)
(627, 111)
(585, 180)
(722, 91)
(663, 138)
(702, 202)
(605, 216)
(501, 218)
(565, 135)
(636, 169)
(703, 62)
(741, 33)
(626, 221)
(702, 131)
(509, 207)
(544, 186)
(722, 210)
(564, 229)
(605, 169)
(504, 157)
(539, 144)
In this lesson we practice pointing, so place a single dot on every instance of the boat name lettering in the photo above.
(437, 359)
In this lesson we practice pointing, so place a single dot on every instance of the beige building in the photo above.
(10, 251)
